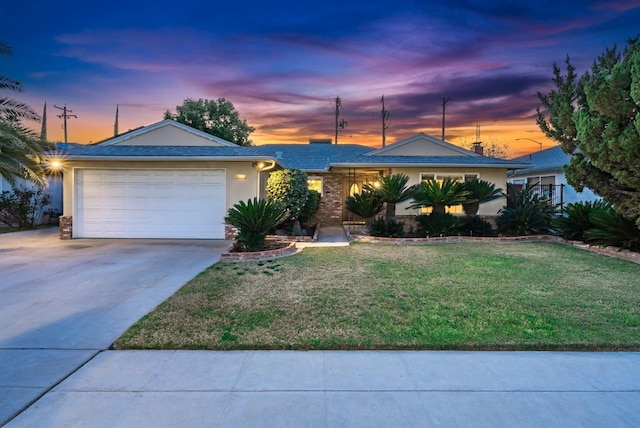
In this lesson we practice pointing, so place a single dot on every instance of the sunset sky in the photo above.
(282, 62)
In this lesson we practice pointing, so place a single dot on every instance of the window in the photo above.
(453, 209)
(315, 183)
(354, 189)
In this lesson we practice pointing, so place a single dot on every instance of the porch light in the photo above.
(55, 164)
(241, 176)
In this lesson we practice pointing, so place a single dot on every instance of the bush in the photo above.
(438, 224)
(254, 219)
(290, 187)
(387, 229)
(365, 205)
(575, 221)
(23, 207)
(476, 226)
(439, 194)
(526, 213)
(478, 192)
(311, 206)
(611, 228)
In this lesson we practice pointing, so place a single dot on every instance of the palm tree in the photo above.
(20, 149)
(480, 191)
(392, 190)
(439, 195)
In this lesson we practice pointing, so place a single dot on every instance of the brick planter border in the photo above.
(259, 255)
(615, 252)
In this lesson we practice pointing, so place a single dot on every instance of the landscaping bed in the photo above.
(517, 296)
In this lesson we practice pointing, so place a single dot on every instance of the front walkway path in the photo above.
(345, 389)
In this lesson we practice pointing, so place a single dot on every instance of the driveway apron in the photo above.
(62, 302)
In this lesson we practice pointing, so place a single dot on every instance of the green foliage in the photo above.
(392, 190)
(611, 228)
(216, 117)
(366, 204)
(439, 195)
(597, 121)
(289, 186)
(438, 224)
(476, 226)
(575, 221)
(254, 219)
(387, 228)
(311, 206)
(478, 192)
(526, 213)
(22, 207)
(20, 150)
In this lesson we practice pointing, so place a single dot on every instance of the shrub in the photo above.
(478, 192)
(575, 221)
(387, 229)
(436, 194)
(611, 228)
(311, 206)
(526, 213)
(476, 226)
(366, 205)
(392, 190)
(22, 207)
(289, 186)
(438, 224)
(254, 219)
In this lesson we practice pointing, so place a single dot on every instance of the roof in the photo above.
(422, 136)
(167, 122)
(312, 157)
(106, 152)
(553, 159)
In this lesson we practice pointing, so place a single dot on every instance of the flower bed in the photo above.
(268, 254)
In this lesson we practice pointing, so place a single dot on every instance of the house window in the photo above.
(354, 189)
(453, 209)
(315, 183)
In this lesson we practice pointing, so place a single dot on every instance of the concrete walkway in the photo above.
(344, 389)
(328, 236)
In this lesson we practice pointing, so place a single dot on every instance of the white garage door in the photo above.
(150, 203)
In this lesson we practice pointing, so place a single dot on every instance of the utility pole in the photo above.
(444, 103)
(340, 124)
(65, 114)
(384, 114)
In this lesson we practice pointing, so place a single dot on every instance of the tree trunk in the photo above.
(390, 213)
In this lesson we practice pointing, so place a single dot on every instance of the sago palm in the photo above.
(366, 205)
(392, 190)
(439, 194)
(479, 192)
(254, 219)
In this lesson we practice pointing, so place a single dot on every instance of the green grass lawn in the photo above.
(513, 296)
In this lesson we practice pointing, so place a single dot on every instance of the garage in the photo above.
(149, 203)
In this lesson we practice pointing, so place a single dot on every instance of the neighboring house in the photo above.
(168, 180)
(547, 174)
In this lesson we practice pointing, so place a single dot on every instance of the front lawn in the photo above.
(444, 296)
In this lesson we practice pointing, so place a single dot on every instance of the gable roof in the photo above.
(551, 160)
(312, 157)
(427, 140)
(122, 138)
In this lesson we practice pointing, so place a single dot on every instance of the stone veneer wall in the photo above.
(331, 203)
(66, 227)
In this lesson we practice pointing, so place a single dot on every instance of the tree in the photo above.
(216, 117)
(20, 149)
(439, 194)
(596, 120)
(289, 187)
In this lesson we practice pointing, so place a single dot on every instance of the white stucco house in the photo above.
(168, 180)
(547, 170)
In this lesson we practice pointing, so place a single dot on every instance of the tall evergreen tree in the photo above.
(596, 119)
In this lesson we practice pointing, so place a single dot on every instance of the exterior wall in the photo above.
(168, 136)
(493, 175)
(332, 201)
(570, 194)
(420, 148)
(236, 189)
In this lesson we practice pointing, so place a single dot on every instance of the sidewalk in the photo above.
(328, 236)
(344, 389)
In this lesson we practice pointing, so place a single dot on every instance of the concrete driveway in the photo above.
(61, 302)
